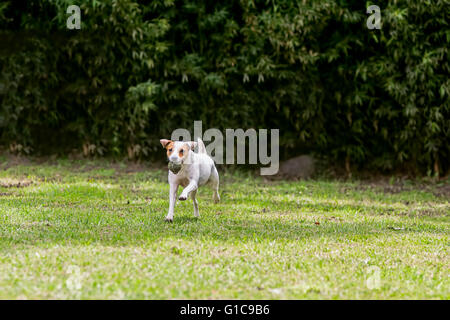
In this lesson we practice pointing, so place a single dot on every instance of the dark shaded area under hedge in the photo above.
(137, 70)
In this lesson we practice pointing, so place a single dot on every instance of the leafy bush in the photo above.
(139, 69)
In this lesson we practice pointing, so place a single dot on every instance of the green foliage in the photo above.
(139, 69)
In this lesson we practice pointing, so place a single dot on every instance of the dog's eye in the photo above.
(181, 151)
(170, 150)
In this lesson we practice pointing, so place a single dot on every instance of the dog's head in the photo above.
(178, 151)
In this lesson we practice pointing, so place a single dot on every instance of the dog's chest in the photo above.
(183, 182)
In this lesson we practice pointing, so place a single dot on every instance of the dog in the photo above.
(195, 170)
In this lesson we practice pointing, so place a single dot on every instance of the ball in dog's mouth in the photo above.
(175, 168)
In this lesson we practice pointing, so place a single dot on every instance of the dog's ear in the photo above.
(165, 142)
(192, 145)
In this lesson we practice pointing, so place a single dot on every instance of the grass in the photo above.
(96, 230)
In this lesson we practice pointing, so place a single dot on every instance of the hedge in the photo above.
(137, 70)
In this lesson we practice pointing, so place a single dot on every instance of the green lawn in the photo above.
(96, 230)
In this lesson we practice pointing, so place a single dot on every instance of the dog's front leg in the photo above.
(172, 200)
(192, 186)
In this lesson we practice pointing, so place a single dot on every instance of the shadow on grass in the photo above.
(144, 228)
(91, 220)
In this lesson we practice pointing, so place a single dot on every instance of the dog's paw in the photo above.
(169, 219)
(182, 197)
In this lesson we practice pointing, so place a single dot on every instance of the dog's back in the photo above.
(205, 162)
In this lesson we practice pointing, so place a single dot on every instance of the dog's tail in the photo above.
(201, 146)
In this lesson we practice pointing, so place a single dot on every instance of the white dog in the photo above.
(194, 170)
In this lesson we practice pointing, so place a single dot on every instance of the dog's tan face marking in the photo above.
(168, 145)
(177, 151)
(169, 148)
(183, 152)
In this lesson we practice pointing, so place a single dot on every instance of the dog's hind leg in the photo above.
(194, 200)
(215, 184)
